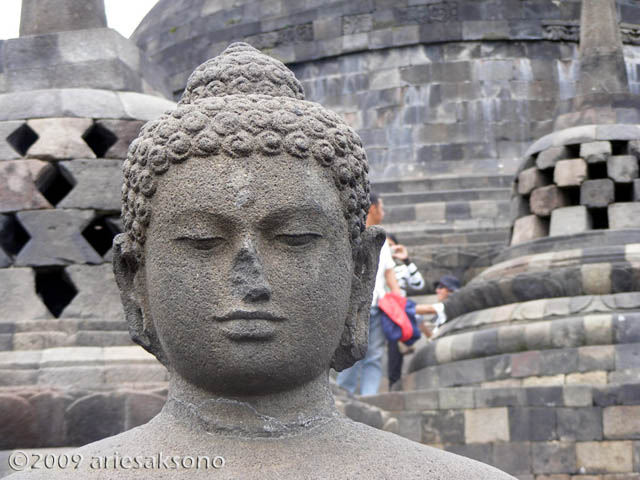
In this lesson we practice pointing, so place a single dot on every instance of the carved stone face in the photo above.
(248, 271)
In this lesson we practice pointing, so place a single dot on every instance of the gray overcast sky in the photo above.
(122, 15)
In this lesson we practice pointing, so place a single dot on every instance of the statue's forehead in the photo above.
(246, 186)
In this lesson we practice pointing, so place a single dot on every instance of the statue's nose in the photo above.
(247, 278)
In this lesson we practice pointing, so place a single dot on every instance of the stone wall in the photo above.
(432, 87)
(542, 433)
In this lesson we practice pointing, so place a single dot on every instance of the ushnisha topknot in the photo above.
(241, 69)
(239, 104)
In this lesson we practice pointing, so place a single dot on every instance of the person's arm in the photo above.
(392, 282)
(425, 309)
(415, 277)
(415, 280)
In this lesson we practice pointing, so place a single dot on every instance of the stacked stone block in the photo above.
(534, 433)
(432, 87)
(578, 180)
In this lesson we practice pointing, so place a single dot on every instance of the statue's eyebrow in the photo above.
(311, 213)
(183, 218)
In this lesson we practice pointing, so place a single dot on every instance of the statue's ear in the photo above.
(130, 280)
(355, 336)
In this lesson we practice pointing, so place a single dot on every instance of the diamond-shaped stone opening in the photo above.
(597, 170)
(55, 185)
(100, 233)
(55, 288)
(13, 237)
(99, 139)
(22, 138)
(599, 218)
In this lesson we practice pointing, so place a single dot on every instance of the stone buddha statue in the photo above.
(247, 270)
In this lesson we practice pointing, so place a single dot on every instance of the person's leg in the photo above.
(348, 378)
(394, 364)
(372, 362)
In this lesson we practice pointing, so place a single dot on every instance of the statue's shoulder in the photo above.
(397, 457)
(94, 460)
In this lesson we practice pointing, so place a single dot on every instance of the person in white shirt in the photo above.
(409, 278)
(369, 370)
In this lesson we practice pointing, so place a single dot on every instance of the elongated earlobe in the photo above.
(141, 328)
(354, 341)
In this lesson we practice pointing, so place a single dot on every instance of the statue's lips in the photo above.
(244, 325)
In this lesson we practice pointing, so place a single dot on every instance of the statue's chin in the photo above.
(249, 379)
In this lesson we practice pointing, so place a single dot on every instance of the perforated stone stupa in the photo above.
(73, 94)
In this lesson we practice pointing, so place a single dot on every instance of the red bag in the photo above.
(393, 305)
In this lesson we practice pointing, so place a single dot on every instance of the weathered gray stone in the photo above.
(97, 184)
(513, 458)
(92, 102)
(482, 425)
(605, 457)
(636, 190)
(60, 138)
(18, 424)
(595, 152)
(56, 238)
(624, 215)
(18, 296)
(139, 408)
(125, 131)
(622, 168)
(143, 107)
(530, 179)
(569, 220)
(596, 357)
(549, 157)
(443, 426)
(553, 457)
(95, 417)
(529, 228)
(597, 193)
(622, 422)
(39, 17)
(97, 297)
(49, 407)
(602, 66)
(519, 207)
(5, 260)
(456, 398)
(579, 424)
(545, 200)
(18, 185)
(40, 104)
(570, 173)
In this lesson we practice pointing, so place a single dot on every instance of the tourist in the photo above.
(369, 370)
(445, 286)
(409, 278)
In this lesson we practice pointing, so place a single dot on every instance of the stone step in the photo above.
(442, 182)
(454, 239)
(456, 195)
(445, 212)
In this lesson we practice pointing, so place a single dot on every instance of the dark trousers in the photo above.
(394, 365)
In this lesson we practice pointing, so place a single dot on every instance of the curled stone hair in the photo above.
(239, 104)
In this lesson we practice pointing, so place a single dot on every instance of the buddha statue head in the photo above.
(245, 264)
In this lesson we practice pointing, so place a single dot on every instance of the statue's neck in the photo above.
(279, 414)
